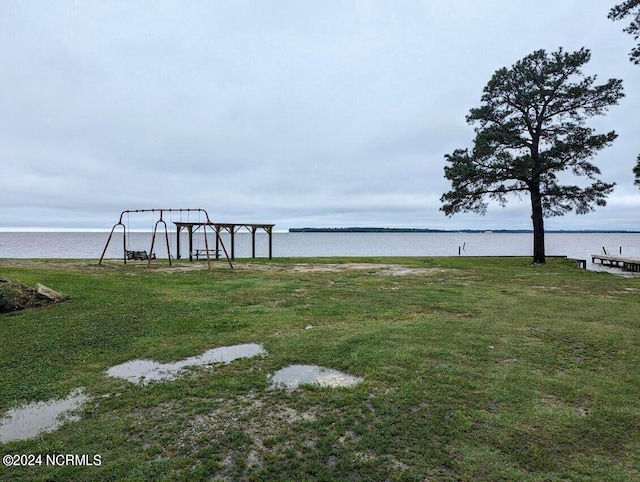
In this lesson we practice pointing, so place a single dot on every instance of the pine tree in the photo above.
(627, 9)
(530, 129)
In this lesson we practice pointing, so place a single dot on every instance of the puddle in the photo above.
(144, 371)
(30, 420)
(295, 375)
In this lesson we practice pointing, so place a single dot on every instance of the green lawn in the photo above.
(473, 368)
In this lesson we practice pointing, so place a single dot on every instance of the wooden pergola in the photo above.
(231, 228)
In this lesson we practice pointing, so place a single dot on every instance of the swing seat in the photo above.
(204, 252)
(139, 255)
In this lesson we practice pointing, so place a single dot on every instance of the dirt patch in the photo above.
(244, 433)
(380, 269)
(177, 268)
(582, 410)
(376, 268)
(259, 419)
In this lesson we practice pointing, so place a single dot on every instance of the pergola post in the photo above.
(178, 229)
(232, 229)
(253, 241)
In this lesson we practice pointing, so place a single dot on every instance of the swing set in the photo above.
(135, 255)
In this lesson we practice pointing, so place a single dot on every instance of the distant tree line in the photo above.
(428, 230)
(364, 230)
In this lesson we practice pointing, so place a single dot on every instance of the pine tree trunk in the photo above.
(538, 225)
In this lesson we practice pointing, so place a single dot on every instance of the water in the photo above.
(30, 420)
(294, 376)
(144, 371)
(91, 244)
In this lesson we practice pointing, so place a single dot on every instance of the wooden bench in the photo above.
(203, 253)
(139, 255)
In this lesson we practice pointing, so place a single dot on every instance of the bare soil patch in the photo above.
(380, 269)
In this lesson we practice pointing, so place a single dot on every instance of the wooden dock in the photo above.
(627, 264)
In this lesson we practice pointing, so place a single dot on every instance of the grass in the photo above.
(473, 368)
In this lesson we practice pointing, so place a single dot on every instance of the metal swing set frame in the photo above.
(143, 255)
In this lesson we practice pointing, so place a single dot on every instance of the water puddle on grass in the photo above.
(144, 371)
(295, 375)
(30, 420)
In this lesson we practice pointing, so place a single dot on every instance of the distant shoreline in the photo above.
(426, 230)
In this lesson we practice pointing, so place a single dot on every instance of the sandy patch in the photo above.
(376, 268)
(161, 265)
(258, 419)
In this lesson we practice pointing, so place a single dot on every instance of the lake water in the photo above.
(91, 244)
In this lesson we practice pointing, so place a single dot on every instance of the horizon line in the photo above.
(42, 229)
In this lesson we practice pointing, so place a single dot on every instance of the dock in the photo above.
(627, 264)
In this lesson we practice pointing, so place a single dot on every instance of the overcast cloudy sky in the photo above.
(299, 113)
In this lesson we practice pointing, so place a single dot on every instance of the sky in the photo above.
(289, 112)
